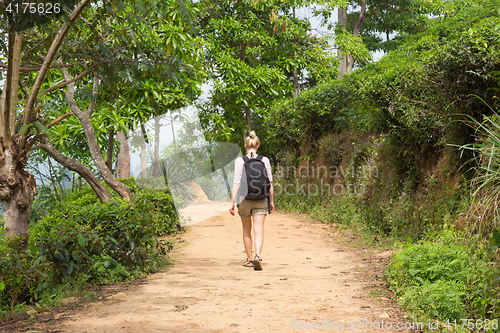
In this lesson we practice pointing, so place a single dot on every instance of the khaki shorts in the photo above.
(248, 208)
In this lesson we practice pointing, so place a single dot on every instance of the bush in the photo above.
(151, 197)
(74, 240)
(444, 280)
(81, 232)
(439, 299)
(20, 273)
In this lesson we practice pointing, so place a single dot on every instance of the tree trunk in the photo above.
(173, 131)
(17, 189)
(8, 104)
(123, 158)
(109, 151)
(73, 165)
(246, 110)
(295, 79)
(347, 60)
(95, 152)
(156, 157)
(350, 63)
(144, 162)
(3, 99)
(14, 88)
(228, 186)
(342, 20)
(361, 19)
(355, 32)
(106, 174)
(54, 182)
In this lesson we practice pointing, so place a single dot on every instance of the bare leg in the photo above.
(258, 227)
(247, 236)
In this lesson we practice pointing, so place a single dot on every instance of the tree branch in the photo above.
(56, 43)
(5, 130)
(56, 121)
(361, 19)
(24, 89)
(95, 89)
(79, 168)
(65, 83)
(70, 93)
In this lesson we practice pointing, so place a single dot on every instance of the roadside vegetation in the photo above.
(409, 151)
(81, 242)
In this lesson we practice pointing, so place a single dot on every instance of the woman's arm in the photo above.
(238, 171)
(271, 198)
(236, 187)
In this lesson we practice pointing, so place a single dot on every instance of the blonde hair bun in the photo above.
(252, 141)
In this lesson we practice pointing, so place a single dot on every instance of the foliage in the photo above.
(91, 238)
(483, 213)
(148, 62)
(441, 278)
(395, 20)
(152, 196)
(20, 272)
(255, 52)
(495, 240)
(19, 16)
(412, 93)
(297, 123)
(410, 99)
(353, 45)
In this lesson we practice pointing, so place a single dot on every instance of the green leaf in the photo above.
(24, 128)
(496, 236)
(40, 127)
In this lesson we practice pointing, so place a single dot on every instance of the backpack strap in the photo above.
(259, 158)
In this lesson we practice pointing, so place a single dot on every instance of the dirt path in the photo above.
(307, 277)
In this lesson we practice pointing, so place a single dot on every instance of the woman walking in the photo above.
(254, 198)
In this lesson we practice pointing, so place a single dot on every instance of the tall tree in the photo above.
(350, 18)
(17, 185)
